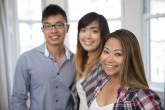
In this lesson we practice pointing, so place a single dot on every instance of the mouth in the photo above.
(110, 67)
(54, 37)
(88, 43)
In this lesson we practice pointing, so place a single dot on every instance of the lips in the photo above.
(110, 67)
(55, 37)
(88, 42)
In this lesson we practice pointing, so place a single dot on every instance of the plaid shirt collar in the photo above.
(143, 99)
(98, 88)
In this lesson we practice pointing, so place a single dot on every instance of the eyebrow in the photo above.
(106, 48)
(114, 50)
(55, 23)
(91, 27)
(94, 28)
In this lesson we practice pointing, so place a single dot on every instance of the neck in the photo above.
(91, 54)
(114, 83)
(56, 51)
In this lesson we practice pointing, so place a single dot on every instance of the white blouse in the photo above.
(95, 106)
(83, 101)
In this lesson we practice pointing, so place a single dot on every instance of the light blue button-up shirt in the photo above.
(38, 73)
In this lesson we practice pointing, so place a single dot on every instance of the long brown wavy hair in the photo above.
(133, 73)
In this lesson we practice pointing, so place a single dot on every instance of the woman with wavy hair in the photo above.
(126, 88)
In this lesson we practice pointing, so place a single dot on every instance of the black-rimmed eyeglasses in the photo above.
(59, 25)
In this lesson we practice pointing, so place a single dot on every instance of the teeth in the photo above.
(54, 37)
(109, 66)
(88, 42)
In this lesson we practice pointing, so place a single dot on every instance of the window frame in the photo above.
(29, 22)
(159, 87)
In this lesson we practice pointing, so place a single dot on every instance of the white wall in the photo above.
(133, 12)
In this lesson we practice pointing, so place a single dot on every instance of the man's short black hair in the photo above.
(53, 9)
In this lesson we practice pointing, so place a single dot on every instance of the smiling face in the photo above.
(54, 36)
(90, 37)
(112, 57)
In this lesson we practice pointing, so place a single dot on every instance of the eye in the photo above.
(105, 51)
(47, 26)
(95, 31)
(59, 25)
(118, 54)
(82, 30)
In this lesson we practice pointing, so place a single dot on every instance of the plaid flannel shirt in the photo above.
(90, 82)
(143, 99)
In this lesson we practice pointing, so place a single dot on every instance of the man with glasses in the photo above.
(47, 72)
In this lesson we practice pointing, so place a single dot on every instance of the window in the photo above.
(29, 20)
(154, 20)
(104, 7)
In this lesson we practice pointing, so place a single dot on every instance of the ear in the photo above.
(67, 28)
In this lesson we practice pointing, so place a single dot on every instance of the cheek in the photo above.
(80, 35)
(80, 38)
(98, 43)
(46, 32)
(102, 58)
(121, 61)
(97, 38)
(62, 31)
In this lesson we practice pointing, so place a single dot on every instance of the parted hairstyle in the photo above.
(132, 74)
(81, 55)
(53, 9)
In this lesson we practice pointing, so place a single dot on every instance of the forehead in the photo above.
(113, 42)
(93, 24)
(53, 19)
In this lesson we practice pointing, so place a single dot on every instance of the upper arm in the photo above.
(148, 100)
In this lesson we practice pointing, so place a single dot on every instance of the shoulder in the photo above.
(97, 69)
(146, 93)
(144, 99)
(32, 53)
(148, 99)
(27, 53)
(142, 94)
(98, 66)
(24, 55)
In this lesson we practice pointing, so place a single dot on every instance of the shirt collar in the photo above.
(43, 49)
(67, 52)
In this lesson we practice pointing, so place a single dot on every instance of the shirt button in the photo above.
(56, 100)
(58, 73)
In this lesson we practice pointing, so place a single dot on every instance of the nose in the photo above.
(110, 58)
(88, 35)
